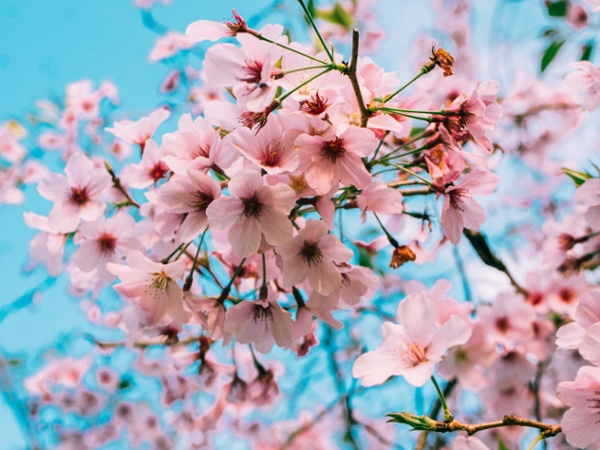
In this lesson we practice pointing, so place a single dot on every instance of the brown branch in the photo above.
(309, 425)
(141, 344)
(364, 113)
(119, 187)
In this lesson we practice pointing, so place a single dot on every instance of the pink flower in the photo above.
(196, 145)
(191, 196)
(169, 44)
(261, 322)
(379, 198)
(329, 158)
(150, 169)
(249, 70)
(153, 287)
(313, 253)
(413, 347)
(207, 30)
(468, 443)
(460, 210)
(588, 195)
(47, 246)
(509, 319)
(580, 423)
(571, 335)
(271, 148)
(105, 241)
(77, 196)
(594, 4)
(587, 79)
(254, 210)
(141, 130)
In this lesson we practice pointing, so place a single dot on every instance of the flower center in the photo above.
(158, 171)
(79, 196)
(502, 324)
(160, 280)
(315, 105)
(298, 182)
(415, 354)
(311, 253)
(201, 201)
(333, 150)
(252, 206)
(262, 314)
(272, 155)
(201, 151)
(107, 243)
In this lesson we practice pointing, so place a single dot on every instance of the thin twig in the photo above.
(364, 113)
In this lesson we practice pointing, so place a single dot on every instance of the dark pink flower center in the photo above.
(262, 314)
(201, 201)
(158, 171)
(79, 196)
(107, 243)
(311, 253)
(253, 72)
(272, 155)
(252, 206)
(203, 151)
(315, 105)
(333, 150)
(455, 198)
(502, 324)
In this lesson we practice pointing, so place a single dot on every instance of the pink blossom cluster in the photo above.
(231, 227)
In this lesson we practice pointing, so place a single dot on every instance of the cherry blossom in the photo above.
(413, 346)
(77, 196)
(140, 131)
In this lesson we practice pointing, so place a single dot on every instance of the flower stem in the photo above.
(314, 27)
(227, 289)
(306, 55)
(448, 417)
(304, 83)
(535, 442)
(393, 241)
(425, 69)
(190, 278)
(263, 294)
(407, 170)
(324, 66)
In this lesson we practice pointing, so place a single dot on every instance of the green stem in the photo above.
(423, 71)
(418, 111)
(301, 85)
(190, 278)
(536, 441)
(447, 414)
(264, 292)
(307, 68)
(412, 152)
(407, 170)
(410, 116)
(393, 241)
(306, 55)
(314, 27)
(166, 260)
(227, 288)
(183, 250)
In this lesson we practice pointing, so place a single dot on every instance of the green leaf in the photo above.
(586, 51)
(550, 32)
(578, 177)
(501, 445)
(337, 15)
(550, 53)
(125, 383)
(310, 5)
(557, 9)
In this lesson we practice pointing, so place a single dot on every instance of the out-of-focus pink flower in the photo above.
(588, 195)
(413, 347)
(261, 322)
(47, 246)
(313, 253)
(77, 196)
(577, 16)
(152, 285)
(586, 79)
(379, 198)
(169, 44)
(330, 159)
(10, 134)
(140, 131)
(580, 423)
(254, 210)
(468, 443)
(460, 210)
(594, 4)
(147, 4)
(509, 320)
